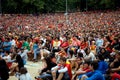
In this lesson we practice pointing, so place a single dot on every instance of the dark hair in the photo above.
(3, 63)
(101, 57)
(18, 58)
(63, 59)
(7, 52)
(4, 70)
(87, 62)
(23, 70)
(8, 39)
(94, 64)
(47, 59)
(102, 49)
(80, 54)
(86, 50)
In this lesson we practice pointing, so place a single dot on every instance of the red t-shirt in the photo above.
(64, 44)
(83, 45)
(115, 75)
(86, 69)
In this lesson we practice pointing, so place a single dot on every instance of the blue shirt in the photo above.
(7, 46)
(103, 66)
(35, 46)
(96, 75)
(99, 42)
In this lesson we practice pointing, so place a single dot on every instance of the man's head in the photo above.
(87, 50)
(62, 60)
(94, 65)
(86, 64)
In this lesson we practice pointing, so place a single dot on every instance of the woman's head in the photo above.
(18, 58)
(102, 50)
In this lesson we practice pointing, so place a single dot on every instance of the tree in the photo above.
(46, 6)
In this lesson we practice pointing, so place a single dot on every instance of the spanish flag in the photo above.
(69, 69)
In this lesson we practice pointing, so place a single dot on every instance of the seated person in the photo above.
(16, 66)
(60, 72)
(48, 64)
(93, 47)
(102, 65)
(4, 70)
(76, 61)
(36, 50)
(60, 54)
(115, 65)
(105, 53)
(23, 54)
(44, 52)
(7, 58)
(23, 75)
(94, 74)
(56, 44)
(115, 76)
(89, 55)
(84, 68)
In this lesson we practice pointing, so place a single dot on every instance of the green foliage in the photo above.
(107, 4)
(46, 6)
(60, 5)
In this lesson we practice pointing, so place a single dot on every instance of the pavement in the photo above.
(32, 68)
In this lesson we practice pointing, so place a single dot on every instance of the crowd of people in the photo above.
(76, 46)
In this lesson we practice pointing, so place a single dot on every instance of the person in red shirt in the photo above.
(65, 44)
(60, 72)
(84, 44)
(84, 68)
(19, 43)
(115, 76)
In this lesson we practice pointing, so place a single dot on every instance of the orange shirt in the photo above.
(93, 47)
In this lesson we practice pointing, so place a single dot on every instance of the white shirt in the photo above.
(13, 42)
(7, 58)
(60, 69)
(24, 54)
(44, 41)
(90, 56)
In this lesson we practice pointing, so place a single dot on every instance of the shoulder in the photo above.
(27, 74)
(22, 77)
(98, 73)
